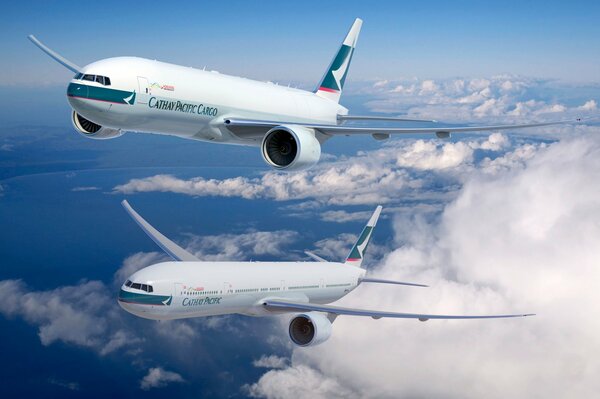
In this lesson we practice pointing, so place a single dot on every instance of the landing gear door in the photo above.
(143, 90)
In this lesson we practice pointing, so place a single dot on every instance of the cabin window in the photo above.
(106, 81)
(128, 283)
(100, 79)
(78, 76)
(91, 78)
(144, 287)
(136, 286)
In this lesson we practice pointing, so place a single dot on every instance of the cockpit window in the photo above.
(103, 80)
(138, 286)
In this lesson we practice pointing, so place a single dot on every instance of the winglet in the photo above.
(172, 249)
(355, 257)
(332, 83)
(57, 57)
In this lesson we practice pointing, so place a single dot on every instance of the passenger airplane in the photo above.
(189, 287)
(121, 94)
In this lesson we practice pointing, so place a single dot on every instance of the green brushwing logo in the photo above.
(336, 76)
(131, 99)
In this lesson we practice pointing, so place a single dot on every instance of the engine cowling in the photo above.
(310, 329)
(291, 147)
(92, 130)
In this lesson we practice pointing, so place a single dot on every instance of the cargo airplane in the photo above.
(115, 95)
(188, 287)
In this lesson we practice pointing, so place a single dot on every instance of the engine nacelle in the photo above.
(310, 329)
(291, 147)
(92, 130)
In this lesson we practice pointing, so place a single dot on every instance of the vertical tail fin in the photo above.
(332, 83)
(355, 257)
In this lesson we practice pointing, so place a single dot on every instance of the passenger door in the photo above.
(178, 295)
(227, 288)
(143, 90)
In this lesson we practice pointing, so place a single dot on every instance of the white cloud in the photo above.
(298, 382)
(158, 377)
(428, 86)
(271, 362)
(497, 99)
(118, 340)
(590, 105)
(68, 314)
(241, 246)
(341, 216)
(523, 239)
(386, 175)
(232, 187)
(430, 155)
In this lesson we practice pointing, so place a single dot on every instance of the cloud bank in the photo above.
(399, 171)
(504, 97)
(522, 239)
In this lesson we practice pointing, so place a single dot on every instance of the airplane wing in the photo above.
(342, 118)
(172, 249)
(292, 306)
(57, 57)
(343, 130)
(383, 281)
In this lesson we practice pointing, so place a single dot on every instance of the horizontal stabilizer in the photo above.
(172, 249)
(315, 257)
(382, 281)
(291, 306)
(57, 57)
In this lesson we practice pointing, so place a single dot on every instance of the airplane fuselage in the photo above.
(195, 289)
(156, 97)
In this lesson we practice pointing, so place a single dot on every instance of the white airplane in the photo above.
(189, 287)
(121, 94)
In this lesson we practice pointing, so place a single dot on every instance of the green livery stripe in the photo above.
(101, 94)
(144, 299)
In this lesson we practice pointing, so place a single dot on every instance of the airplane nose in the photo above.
(77, 90)
(84, 102)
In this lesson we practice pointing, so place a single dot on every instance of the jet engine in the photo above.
(92, 130)
(291, 148)
(310, 329)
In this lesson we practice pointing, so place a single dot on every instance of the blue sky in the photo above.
(294, 41)
(66, 244)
